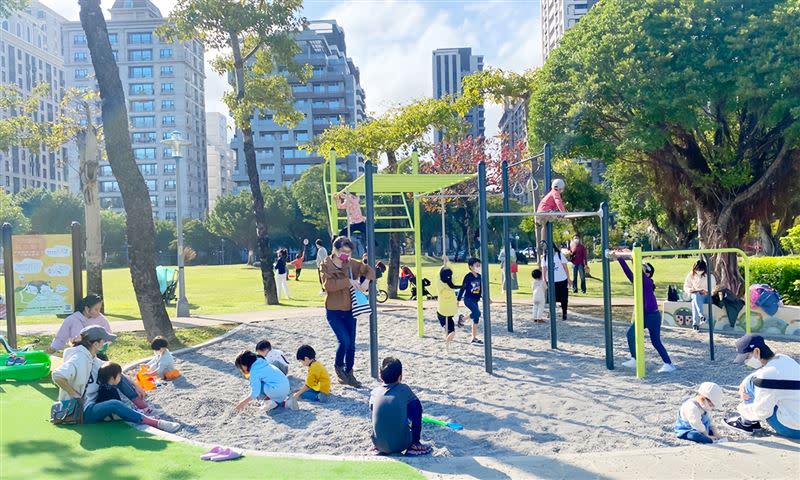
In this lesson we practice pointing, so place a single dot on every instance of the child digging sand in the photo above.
(448, 304)
(273, 356)
(318, 383)
(266, 383)
(471, 293)
(162, 364)
(396, 413)
(538, 288)
(694, 417)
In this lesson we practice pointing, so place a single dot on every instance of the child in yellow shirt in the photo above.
(318, 383)
(448, 304)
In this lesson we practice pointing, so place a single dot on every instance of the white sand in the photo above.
(539, 401)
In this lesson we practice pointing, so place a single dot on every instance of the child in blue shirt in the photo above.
(266, 382)
(471, 294)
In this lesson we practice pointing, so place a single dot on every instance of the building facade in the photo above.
(164, 88)
(332, 96)
(449, 67)
(30, 54)
(219, 157)
(558, 16)
(513, 124)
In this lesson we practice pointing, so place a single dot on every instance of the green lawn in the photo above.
(237, 288)
(32, 448)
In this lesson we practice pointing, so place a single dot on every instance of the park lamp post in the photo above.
(175, 143)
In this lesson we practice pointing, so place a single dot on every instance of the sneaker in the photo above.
(460, 320)
(739, 424)
(340, 373)
(291, 403)
(269, 406)
(630, 363)
(150, 411)
(168, 426)
(476, 341)
(696, 328)
(702, 319)
(419, 449)
(666, 368)
(351, 380)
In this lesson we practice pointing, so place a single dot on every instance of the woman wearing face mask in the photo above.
(771, 393)
(339, 273)
(652, 317)
(87, 313)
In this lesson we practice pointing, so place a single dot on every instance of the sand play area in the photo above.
(539, 401)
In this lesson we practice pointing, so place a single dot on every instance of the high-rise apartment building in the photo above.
(332, 96)
(450, 66)
(558, 16)
(513, 124)
(30, 54)
(164, 90)
(219, 156)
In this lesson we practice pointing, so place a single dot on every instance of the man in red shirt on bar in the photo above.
(579, 262)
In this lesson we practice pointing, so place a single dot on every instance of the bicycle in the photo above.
(381, 296)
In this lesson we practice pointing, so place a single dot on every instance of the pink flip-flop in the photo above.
(214, 452)
(229, 455)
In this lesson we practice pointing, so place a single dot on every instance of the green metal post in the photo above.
(8, 268)
(418, 249)
(709, 269)
(548, 238)
(373, 291)
(334, 215)
(484, 237)
(606, 287)
(638, 310)
(507, 250)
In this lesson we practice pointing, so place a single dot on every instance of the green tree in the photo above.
(581, 195)
(702, 92)
(57, 212)
(233, 219)
(165, 240)
(30, 200)
(197, 236)
(309, 193)
(135, 197)
(113, 237)
(12, 213)
(791, 241)
(260, 36)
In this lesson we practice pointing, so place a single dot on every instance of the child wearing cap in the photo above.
(694, 417)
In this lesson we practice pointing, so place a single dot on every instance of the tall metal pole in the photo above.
(444, 231)
(709, 269)
(507, 250)
(8, 270)
(548, 238)
(418, 249)
(334, 210)
(373, 291)
(77, 264)
(484, 233)
(606, 287)
(183, 303)
(638, 310)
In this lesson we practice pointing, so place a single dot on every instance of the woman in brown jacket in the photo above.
(339, 273)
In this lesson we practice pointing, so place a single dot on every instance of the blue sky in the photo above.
(391, 41)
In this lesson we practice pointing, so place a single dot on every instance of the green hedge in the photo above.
(782, 273)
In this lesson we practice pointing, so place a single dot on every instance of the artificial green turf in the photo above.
(33, 449)
(214, 289)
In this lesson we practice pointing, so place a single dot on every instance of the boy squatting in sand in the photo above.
(273, 356)
(318, 383)
(266, 383)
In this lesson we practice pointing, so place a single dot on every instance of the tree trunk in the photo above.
(393, 273)
(89, 153)
(135, 197)
(715, 232)
(263, 248)
(772, 247)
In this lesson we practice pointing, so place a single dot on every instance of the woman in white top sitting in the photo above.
(696, 287)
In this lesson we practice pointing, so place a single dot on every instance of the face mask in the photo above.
(344, 257)
(753, 363)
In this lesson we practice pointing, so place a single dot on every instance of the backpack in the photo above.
(765, 297)
(403, 283)
(672, 294)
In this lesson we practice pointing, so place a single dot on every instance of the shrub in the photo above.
(782, 273)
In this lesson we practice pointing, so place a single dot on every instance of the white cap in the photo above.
(711, 391)
(558, 183)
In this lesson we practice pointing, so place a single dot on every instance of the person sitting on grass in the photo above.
(87, 313)
(694, 417)
(272, 355)
(78, 376)
(447, 307)
(318, 383)
(162, 364)
(108, 377)
(396, 413)
(470, 292)
(267, 383)
(652, 317)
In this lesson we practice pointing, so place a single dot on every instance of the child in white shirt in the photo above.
(694, 417)
(162, 363)
(273, 356)
(538, 288)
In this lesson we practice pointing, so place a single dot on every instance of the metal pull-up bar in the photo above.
(555, 215)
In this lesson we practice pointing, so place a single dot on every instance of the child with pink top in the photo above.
(355, 219)
(551, 202)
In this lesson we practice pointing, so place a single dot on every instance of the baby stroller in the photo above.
(167, 283)
(425, 292)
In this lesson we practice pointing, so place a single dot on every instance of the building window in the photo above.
(141, 89)
(112, 38)
(152, 185)
(167, 104)
(105, 171)
(143, 122)
(144, 154)
(167, 87)
(143, 105)
(148, 168)
(140, 72)
(319, 88)
(301, 136)
(300, 88)
(111, 202)
(268, 168)
(165, 53)
(115, 54)
(168, 121)
(153, 199)
(333, 104)
(293, 153)
(167, 153)
(140, 38)
(334, 88)
(296, 169)
(167, 71)
(262, 153)
(143, 137)
(169, 167)
(170, 216)
(170, 201)
(80, 56)
(109, 186)
(79, 39)
(81, 73)
(145, 55)
(166, 135)
(170, 184)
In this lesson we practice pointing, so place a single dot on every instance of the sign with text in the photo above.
(43, 283)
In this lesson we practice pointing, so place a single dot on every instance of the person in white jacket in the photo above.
(77, 378)
(771, 393)
(696, 287)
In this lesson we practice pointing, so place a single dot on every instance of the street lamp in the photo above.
(516, 238)
(175, 143)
